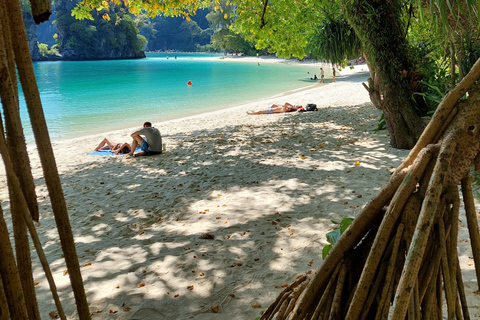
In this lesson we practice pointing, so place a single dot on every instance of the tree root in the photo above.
(411, 264)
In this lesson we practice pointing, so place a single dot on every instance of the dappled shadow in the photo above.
(266, 199)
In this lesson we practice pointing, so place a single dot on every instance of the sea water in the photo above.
(85, 97)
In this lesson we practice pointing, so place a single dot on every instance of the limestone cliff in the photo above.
(99, 39)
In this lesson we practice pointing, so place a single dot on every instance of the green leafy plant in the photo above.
(334, 235)
(382, 125)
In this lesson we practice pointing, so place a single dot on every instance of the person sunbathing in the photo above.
(116, 148)
(287, 107)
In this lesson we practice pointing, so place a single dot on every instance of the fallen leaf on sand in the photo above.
(65, 272)
(53, 315)
(202, 274)
(214, 309)
(111, 311)
(141, 285)
(310, 263)
(36, 283)
(127, 309)
(176, 296)
(255, 305)
(87, 264)
(207, 236)
(357, 163)
(190, 287)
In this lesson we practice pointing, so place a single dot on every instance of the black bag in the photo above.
(311, 107)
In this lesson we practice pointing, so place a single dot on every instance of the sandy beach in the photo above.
(264, 188)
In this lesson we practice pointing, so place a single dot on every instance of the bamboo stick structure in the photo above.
(17, 296)
(410, 270)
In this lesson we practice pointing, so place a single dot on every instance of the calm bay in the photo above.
(86, 97)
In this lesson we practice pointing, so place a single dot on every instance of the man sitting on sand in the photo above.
(116, 148)
(152, 144)
(287, 107)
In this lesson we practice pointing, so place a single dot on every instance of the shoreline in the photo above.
(258, 103)
(266, 187)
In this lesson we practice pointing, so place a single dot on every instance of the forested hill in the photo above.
(122, 37)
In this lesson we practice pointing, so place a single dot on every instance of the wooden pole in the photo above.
(16, 145)
(422, 230)
(472, 223)
(10, 277)
(52, 179)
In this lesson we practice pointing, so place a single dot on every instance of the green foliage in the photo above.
(335, 40)
(43, 49)
(382, 125)
(283, 27)
(472, 53)
(334, 235)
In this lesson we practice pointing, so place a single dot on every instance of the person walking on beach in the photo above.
(287, 107)
(333, 70)
(152, 144)
(322, 75)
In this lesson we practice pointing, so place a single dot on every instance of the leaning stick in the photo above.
(386, 228)
(452, 241)
(337, 298)
(439, 297)
(389, 276)
(428, 303)
(45, 151)
(276, 305)
(445, 270)
(17, 146)
(380, 279)
(319, 309)
(461, 292)
(295, 294)
(13, 180)
(422, 230)
(430, 274)
(4, 313)
(273, 308)
(472, 223)
(348, 240)
(10, 276)
(442, 114)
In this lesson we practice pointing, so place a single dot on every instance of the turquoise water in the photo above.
(85, 97)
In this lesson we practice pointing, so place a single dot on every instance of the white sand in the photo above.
(265, 186)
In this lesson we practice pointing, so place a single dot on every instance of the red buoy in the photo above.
(189, 83)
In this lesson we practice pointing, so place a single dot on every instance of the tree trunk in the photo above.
(381, 32)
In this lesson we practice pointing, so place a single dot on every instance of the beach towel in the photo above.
(108, 152)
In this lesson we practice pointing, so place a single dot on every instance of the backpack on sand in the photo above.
(311, 107)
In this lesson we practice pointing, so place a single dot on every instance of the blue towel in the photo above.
(108, 152)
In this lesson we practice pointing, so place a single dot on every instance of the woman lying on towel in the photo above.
(115, 147)
(287, 107)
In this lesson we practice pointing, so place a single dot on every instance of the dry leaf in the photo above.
(53, 315)
(357, 163)
(36, 283)
(214, 309)
(111, 311)
(87, 264)
(207, 236)
(190, 287)
(255, 305)
(310, 263)
(176, 296)
(127, 309)
(65, 272)
(141, 285)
